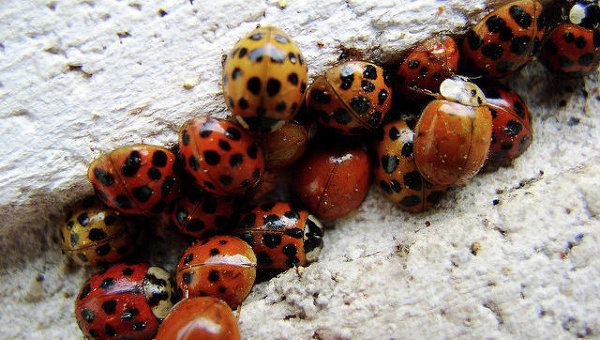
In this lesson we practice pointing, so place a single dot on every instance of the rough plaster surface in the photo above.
(78, 78)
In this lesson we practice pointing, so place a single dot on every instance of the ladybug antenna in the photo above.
(426, 92)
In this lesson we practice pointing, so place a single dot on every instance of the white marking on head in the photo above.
(577, 14)
(459, 90)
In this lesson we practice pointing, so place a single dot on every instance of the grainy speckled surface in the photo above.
(78, 78)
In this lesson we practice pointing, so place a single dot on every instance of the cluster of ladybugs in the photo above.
(415, 158)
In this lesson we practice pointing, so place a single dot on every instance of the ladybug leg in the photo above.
(238, 311)
(299, 271)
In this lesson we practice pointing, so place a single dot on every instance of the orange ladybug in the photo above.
(221, 266)
(135, 179)
(205, 317)
(95, 235)
(426, 66)
(396, 172)
(453, 134)
(511, 122)
(223, 159)
(284, 146)
(573, 47)
(282, 236)
(505, 40)
(333, 181)
(264, 79)
(352, 97)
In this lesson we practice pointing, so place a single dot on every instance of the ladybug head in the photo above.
(585, 13)
(460, 90)
(313, 238)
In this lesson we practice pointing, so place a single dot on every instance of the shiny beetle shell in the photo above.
(426, 66)
(284, 146)
(352, 97)
(452, 139)
(126, 301)
(93, 234)
(505, 40)
(512, 131)
(396, 172)
(135, 179)
(282, 236)
(571, 50)
(200, 318)
(221, 266)
(223, 159)
(264, 79)
(332, 181)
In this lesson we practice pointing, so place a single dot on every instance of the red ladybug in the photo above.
(573, 47)
(125, 301)
(284, 146)
(223, 159)
(352, 97)
(203, 216)
(135, 179)
(512, 132)
(333, 181)
(453, 134)
(281, 235)
(427, 66)
(505, 40)
(206, 318)
(221, 266)
(396, 172)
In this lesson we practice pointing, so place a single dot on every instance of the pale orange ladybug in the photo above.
(453, 134)
(264, 79)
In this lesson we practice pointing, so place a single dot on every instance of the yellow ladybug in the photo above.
(94, 235)
(264, 79)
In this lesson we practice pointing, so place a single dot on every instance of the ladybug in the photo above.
(223, 159)
(426, 66)
(284, 146)
(352, 97)
(281, 235)
(453, 134)
(573, 47)
(204, 216)
(221, 266)
(505, 40)
(396, 172)
(200, 318)
(125, 301)
(264, 79)
(95, 235)
(333, 181)
(135, 179)
(511, 123)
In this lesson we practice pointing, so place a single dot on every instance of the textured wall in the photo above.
(78, 78)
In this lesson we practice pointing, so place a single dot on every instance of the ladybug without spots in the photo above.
(333, 181)
(426, 66)
(135, 179)
(284, 146)
(199, 318)
(505, 40)
(264, 79)
(204, 216)
(125, 301)
(223, 159)
(512, 131)
(352, 97)
(453, 134)
(573, 47)
(95, 235)
(396, 172)
(281, 235)
(221, 266)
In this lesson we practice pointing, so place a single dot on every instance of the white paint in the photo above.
(382, 272)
